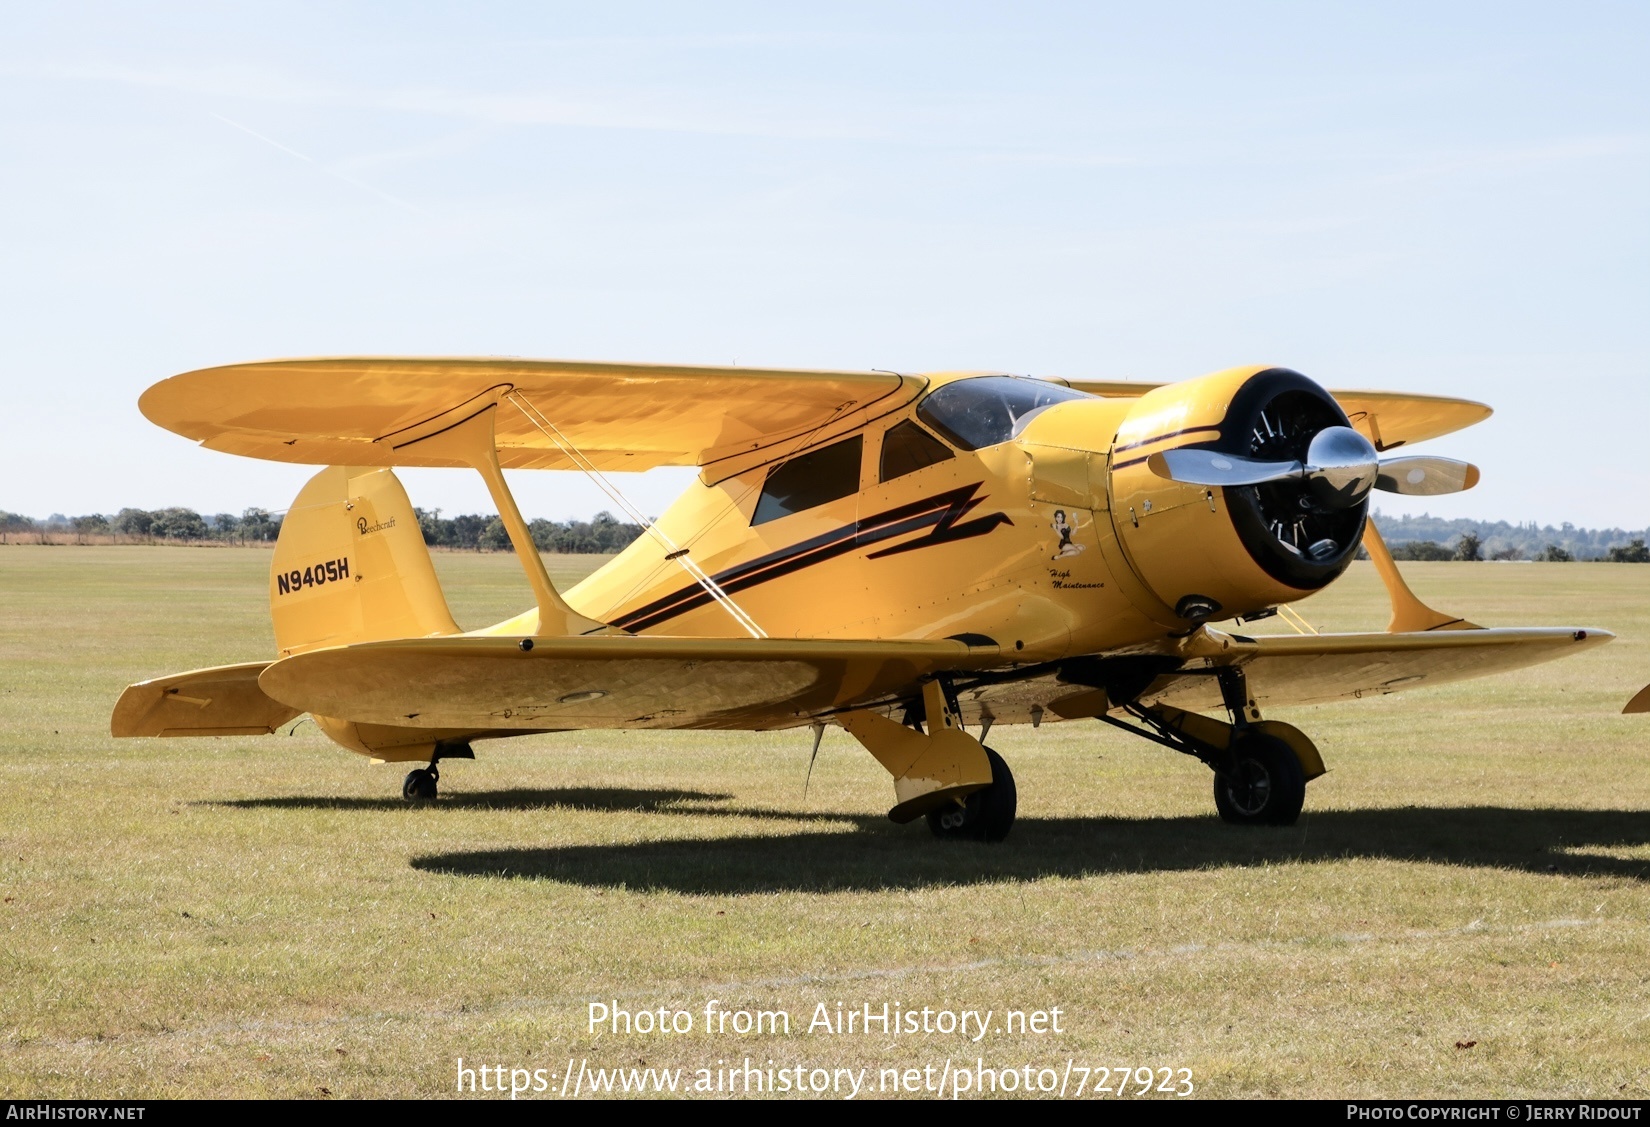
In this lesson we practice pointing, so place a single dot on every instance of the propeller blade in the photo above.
(1209, 467)
(1425, 477)
(1341, 466)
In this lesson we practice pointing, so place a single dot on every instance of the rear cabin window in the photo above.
(810, 479)
(907, 448)
(985, 410)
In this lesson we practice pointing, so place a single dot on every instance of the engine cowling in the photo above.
(1212, 552)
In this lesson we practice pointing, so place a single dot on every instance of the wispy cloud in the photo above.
(345, 177)
(1423, 167)
(657, 109)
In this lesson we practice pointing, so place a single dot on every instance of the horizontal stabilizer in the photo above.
(225, 701)
(607, 681)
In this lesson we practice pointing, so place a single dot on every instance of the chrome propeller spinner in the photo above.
(1340, 468)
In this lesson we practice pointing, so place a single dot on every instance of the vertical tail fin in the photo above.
(351, 566)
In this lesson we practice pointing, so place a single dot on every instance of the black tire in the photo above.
(1264, 786)
(985, 815)
(419, 786)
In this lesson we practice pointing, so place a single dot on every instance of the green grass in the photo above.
(267, 917)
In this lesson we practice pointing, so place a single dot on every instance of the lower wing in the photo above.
(1279, 671)
(1317, 668)
(598, 681)
(505, 684)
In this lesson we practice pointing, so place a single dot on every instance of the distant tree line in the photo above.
(604, 533)
(1434, 538)
(1411, 538)
(1468, 547)
(145, 526)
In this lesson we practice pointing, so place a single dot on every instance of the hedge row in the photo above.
(604, 533)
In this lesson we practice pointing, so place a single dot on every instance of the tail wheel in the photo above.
(1263, 785)
(985, 815)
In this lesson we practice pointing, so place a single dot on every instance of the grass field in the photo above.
(266, 917)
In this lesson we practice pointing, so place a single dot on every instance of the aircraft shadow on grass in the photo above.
(879, 855)
(563, 798)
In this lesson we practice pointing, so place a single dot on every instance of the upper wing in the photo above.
(225, 701)
(349, 411)
(1389, 418)
(1111, 389)
(1392, 418)
(605, 681)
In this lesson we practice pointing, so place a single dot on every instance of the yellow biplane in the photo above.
(905, 556)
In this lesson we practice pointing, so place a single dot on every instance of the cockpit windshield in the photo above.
(985, 410)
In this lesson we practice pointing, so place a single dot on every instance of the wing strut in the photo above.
(672, 551)
(465, 434)
(1409, 614)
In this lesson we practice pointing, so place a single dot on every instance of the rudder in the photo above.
(351, 566)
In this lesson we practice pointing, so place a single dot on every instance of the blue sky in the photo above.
(1452, 198)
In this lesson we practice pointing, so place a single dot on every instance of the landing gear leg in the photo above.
(1259, 781)
(1261, 766)
(420, 784)
(962, 787)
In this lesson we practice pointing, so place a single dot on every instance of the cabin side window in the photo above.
(810, 479)
(907, 448)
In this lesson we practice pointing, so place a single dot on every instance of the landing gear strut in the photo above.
(1260, 782)
(941, 773)
(1261, 766)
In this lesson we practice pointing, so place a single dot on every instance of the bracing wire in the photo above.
(672, 551)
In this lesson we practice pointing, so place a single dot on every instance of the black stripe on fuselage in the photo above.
(1162, 437)
(1115, 450)
(940, 513)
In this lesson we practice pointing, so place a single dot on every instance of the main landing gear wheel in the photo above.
(419, 785)
(985, 815)
(1264, 785)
